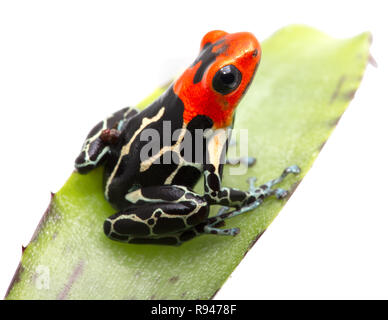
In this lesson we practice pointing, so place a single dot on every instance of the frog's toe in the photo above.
(251, 181)
(234, 231)
(293, 169)
(223, 232)
(249, 161)
(222, 211)
(280, 193)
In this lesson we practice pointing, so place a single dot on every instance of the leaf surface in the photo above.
(303, 85)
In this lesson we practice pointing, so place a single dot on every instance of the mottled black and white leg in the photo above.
(223, 214)
(208, 226)
(98, 141)
(212, 224)
(230, 197)
(172, 214)
(157, 215)
(241, 201)
(266, 190)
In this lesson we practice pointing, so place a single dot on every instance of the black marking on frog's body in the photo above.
(124, 168)
(157, 212)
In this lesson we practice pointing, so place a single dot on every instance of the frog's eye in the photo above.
(226, 79)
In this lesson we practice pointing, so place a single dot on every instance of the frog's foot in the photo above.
(279, 193)
(260, 194)
(223, 232)
(265, 190)
(247, 161)
(218, 219)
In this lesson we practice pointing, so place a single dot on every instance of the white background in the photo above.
(64, 65)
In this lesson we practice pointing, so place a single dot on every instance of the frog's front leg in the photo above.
(157, 215)
(97, 143)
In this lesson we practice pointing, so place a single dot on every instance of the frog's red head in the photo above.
(219, 77)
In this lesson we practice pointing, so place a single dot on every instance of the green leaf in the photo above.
(303, 85)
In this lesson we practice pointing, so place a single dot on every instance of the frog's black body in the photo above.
(153, 190)
(126, 171)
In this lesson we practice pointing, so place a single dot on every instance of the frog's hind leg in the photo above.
(264, 191)
(169, 237)
(157, 215)
(143, 235)
(172, 215)
(96, 145)
(212, 223)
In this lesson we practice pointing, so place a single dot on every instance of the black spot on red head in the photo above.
(211, 37)
(206, 58)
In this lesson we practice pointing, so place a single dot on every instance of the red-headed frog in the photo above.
(153, 158)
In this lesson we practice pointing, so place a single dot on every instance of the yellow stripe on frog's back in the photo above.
(125, 150)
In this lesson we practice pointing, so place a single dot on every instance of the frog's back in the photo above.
(149, 151)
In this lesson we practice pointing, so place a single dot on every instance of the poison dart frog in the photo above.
(154, 198)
